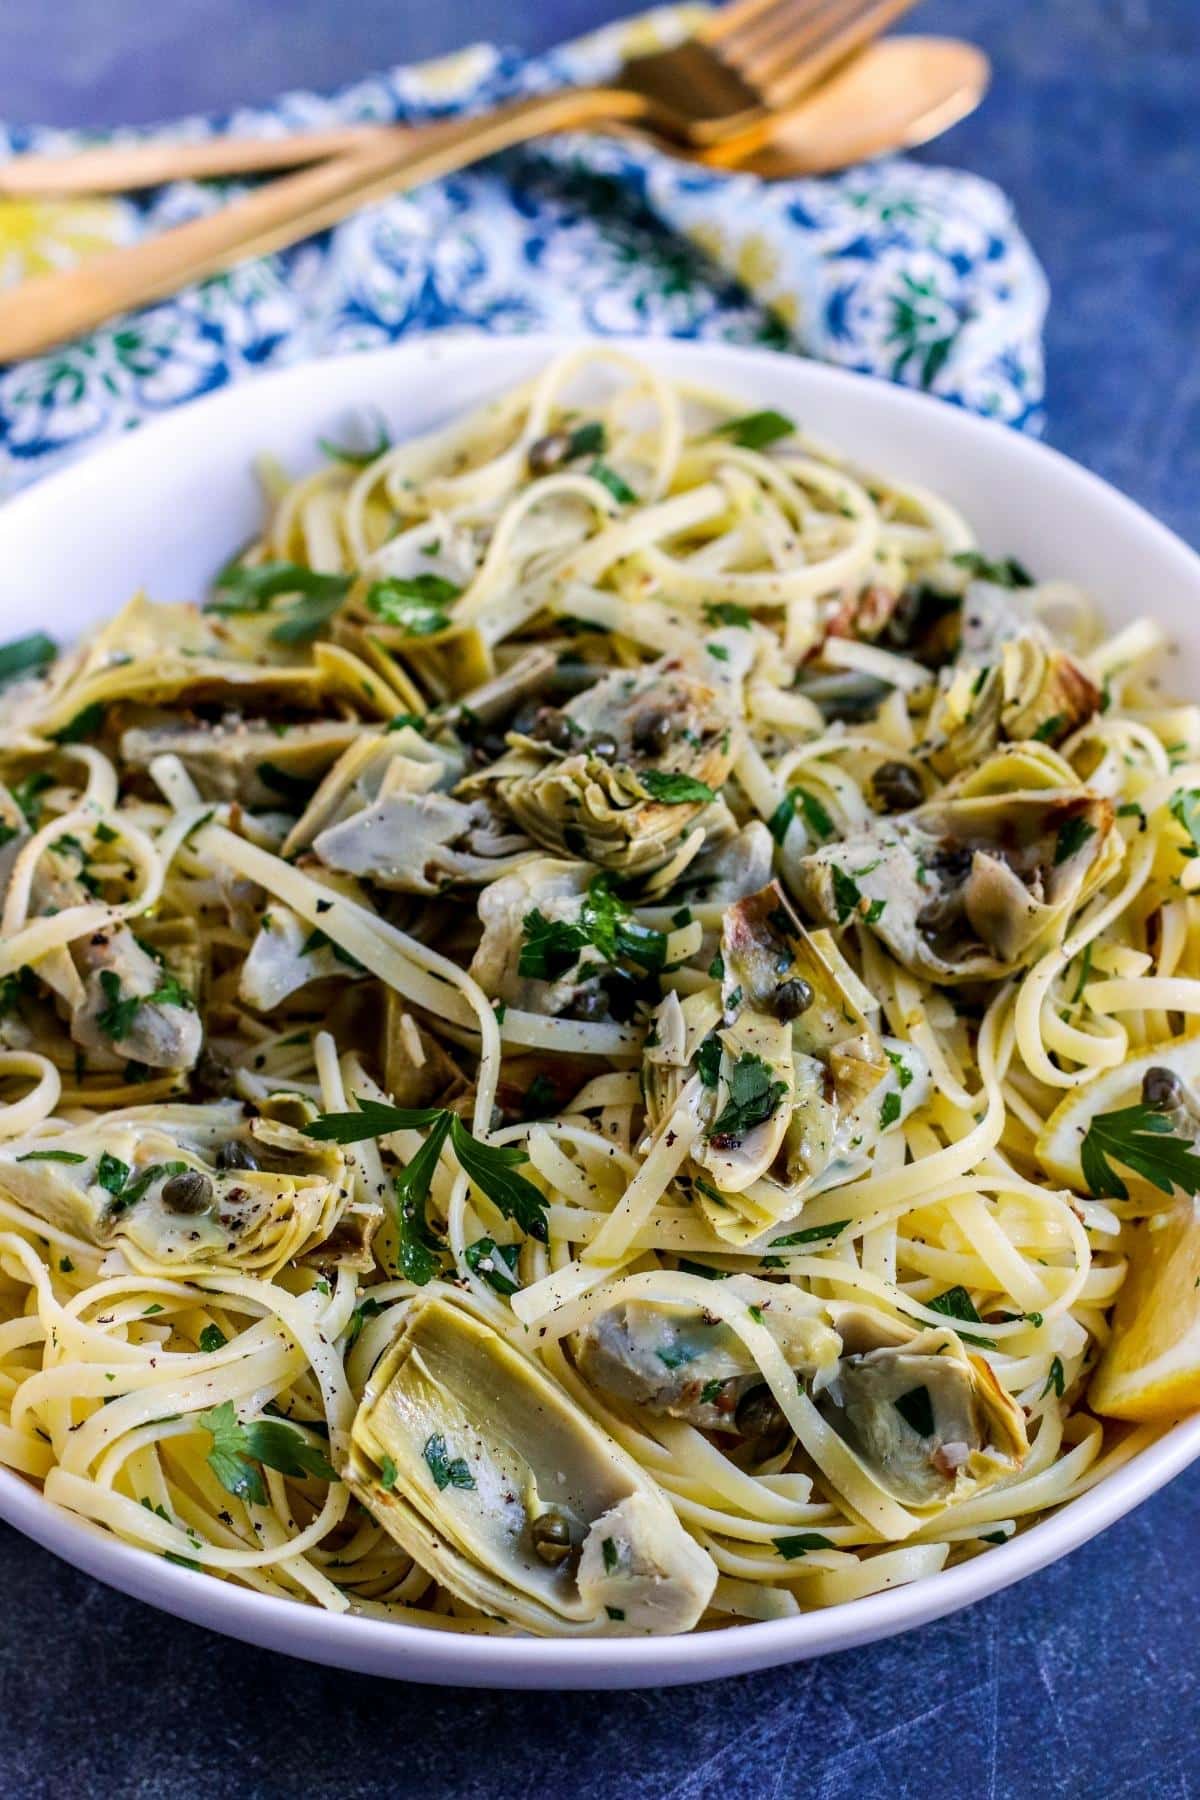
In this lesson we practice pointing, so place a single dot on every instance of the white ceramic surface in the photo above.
(164, 508)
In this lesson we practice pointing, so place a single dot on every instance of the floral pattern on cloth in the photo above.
(900, 269)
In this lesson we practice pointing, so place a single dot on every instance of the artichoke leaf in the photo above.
(461, 1445)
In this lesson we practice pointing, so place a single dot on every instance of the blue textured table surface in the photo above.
(1084, 1680)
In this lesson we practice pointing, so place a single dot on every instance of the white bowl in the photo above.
(163, 509)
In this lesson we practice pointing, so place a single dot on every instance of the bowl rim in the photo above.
(427, 1654)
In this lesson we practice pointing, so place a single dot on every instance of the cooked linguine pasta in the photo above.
(585, 1043)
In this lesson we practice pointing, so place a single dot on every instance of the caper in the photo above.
(1162, 1090)
(549, 452)
(652, 733)
(233, 1154)
(760, 1416)
(602, 744)
(554, 728)
(552, 1537)
(189, 1193)
(792, 998)
(897, 787)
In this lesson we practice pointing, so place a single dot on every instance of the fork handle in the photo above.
(51, 308)
(123, 168)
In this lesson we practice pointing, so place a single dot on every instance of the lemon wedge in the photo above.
(1151, 1365)
(1058, 1148)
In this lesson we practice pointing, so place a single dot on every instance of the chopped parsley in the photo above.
(212, 1338)
(725, 612)
(889, 1112)
(446, 1471)
(956, 1303)
(59, 1156)
(1056, 1379)
(754, 431)
(496, 1263)
(607, 476)
(752, 1098)
(1072, 837)
(814, 814)
(800, 1543)
(673, 788)
(1006, 572)
(605, 923)
(416, 603)
(708, 1060)
(26, 656)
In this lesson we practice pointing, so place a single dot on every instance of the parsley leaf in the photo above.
(797, 1545)
(416, 603)
(889, 1112)
(236, 1450)
(1144, 1142)
(813, 1235)
(846, 894)
(586, 440)
(492, 1167)
(608, 477)
(552, 946)
(815, 815)
(211, 1338)
(60, 1156)
(240, 588)
(753, 1097)
(708, 1060)
(754, 431)
(674, 789)
(1185, 810)
(496, 1263)
(419, 1248)
(1072, 837)
(367, 1308)
(1007, 572)
(111, 1173)
(725, 612)
(26, 794)
(85, 724)
(446, 1472)
(1056, 1379)
(371, 1119)
(26, 656)
(956, 1303)
(116, 1017)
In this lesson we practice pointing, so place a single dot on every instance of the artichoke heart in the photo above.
(977, 883)
(929, 1422)
(383, 813)
(482, 1468)
(1031, 690)
(634, 761)
(172, 1186)
(243, 759)
(797, 1085)
(682, 1361)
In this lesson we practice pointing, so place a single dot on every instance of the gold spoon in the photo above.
(897, 92)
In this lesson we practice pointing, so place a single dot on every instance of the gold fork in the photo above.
(752, 62)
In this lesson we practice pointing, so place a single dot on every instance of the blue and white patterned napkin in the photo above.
(916, 273)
